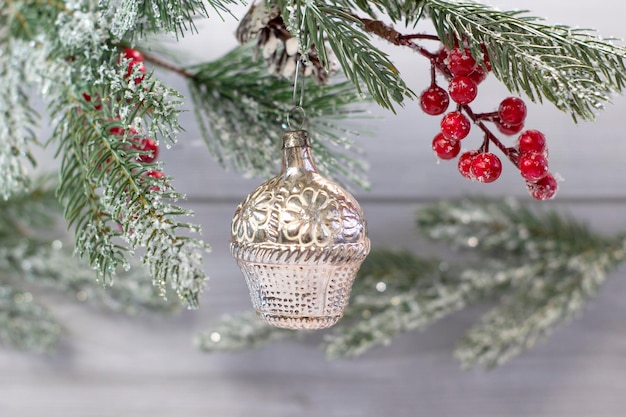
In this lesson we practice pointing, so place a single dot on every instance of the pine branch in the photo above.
(103, 183)
(29, 257)
(17, 118)
(136, 19)
(409, 11)
(318, 24)
(506, 228)
(551, 299)
(572, 68)
(242, 110)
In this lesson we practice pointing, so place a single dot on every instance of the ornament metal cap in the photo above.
(299, 240)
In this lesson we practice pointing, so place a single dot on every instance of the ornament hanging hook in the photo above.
(296, 117)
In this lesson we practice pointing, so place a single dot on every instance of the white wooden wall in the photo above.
(114, 366)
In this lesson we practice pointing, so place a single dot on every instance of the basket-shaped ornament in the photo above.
(299, 240)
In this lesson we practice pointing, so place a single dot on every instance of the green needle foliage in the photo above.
(317, 23)
(118, 188)
(242, 111)
(541, 267)
(32, 260)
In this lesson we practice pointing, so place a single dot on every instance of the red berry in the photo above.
(465, 164)
(117, 130)
(120, 131)
(544, 189)
(462, 89)
(531, 141)
(132, 54)
(460, 62)
(508, 129)
(478, 75)
(150, 147)
(434, 100)
(455, 125)
(512, 111)
(445, 148)
(486, 167)
(533, 166)
(97, 106)
(154, 174)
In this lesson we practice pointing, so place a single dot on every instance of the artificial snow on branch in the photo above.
(30, 262)
(543, 268)
(241, 109)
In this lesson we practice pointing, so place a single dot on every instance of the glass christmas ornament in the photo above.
(299, 240)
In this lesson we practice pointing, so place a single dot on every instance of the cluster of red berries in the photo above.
(464, 75)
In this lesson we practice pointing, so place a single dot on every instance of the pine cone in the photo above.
(278, 46)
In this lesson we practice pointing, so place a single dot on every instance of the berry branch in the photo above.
(464, 72)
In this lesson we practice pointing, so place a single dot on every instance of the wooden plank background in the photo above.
(111, 365)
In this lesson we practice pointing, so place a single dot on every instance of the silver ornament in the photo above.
(299, 240)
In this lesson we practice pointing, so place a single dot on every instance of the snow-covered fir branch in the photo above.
(551, 269)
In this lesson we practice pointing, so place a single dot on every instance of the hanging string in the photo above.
(297, 111)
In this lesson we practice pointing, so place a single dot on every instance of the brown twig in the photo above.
(159, 62)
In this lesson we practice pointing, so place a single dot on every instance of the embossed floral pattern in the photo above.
(311, 218)
(353, 224)
(252, 216)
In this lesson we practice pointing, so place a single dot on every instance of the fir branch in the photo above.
(241, 110)
(572, 68)
(17, 117)
(556, 294)
(555, 266)
(506, 228)
(30, 207)
(24, 324)
(48, 264)
(103, 183)
(317, 24)
(135, 19)
(394, 292)
(22, 19)
(398, 292)
(29, 257)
